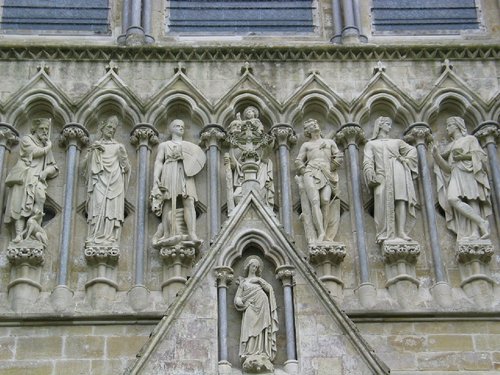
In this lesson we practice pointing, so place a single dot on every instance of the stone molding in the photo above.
(212, 135)
(333, 252)
(9, 136)
(74, 133)
(96, 254)
(468, 251)
(487, 132)
(286, 274)
(350, 134)
(26, 252)
(418, 133)
(182, 252)
(250, 53)
(144, 134)
(284, 134)
(401, 251)
(224, 276)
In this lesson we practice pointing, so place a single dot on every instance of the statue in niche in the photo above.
(176, 164)
(28, 183)
(390, 166)
(259, 324)
(317, 164)
(248, 143)
(462, 183)
(107, 171)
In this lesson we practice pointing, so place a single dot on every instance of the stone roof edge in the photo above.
(367, 52)
(206, 264)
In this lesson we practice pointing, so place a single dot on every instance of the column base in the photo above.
(225, 368)
(62, 298)
(138, 297)
(292, 367)
(367, 295)
(441, 292)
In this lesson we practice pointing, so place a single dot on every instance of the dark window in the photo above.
(240, 17)
(56, 15)
(424, 15)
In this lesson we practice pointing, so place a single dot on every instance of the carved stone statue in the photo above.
(107, 171)
(176, 164)
(259, 324)
(389, 166)
(27, 181)
(317, 165)
(248, 144)
(462, 183)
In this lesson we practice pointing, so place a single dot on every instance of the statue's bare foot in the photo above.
(405, 237)
(18, 238)
(321, 237)
(484, 228)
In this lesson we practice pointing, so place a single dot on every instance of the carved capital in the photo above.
(74, 134)
(26, 252)
(350, 134)
(107, 254)
(182, 253)
(286, 274)
(487, 132)
(224, 276)
(396, 251)
(284, 135)
(481, 250)
(9, 136)
(326, 252)
(144, 135)
(418, 134)
(211, 135)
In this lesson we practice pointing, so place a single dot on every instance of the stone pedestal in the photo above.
(177, 262)
(327, 258)
(26, 258)
(400, 258)
(102, 261)
(473, 259)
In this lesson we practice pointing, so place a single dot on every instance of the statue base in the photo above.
(257, 364)
(26, 259)
(400, 257)
(102, 260)
(473, 259)
(177, 262)
(327, 258)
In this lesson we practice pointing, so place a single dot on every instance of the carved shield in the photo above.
(194, 158)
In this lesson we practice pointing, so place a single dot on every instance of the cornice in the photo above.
(249, 53)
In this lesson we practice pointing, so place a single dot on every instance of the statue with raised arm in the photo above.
(176, 164)
(462, 183)
(27, 182)
(317, 164)
(259, 323)
(390, 166)
(107, 171)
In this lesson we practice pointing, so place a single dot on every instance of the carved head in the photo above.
(311, 125)
(458, 122)
(250, 112)
(381, 122)
(41, 128)
(108, 126)
(255, 261)
(176, 127)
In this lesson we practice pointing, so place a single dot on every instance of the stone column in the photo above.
(337, 22)
(211, 137)
(350, 136)
(488, 133)
(8, 138)
(350, 32)
(285, 274)
(327, 259)
(73, 137)
(420, 136)
(285, 137)
(143, 136)
(177, 262)
(224, 276)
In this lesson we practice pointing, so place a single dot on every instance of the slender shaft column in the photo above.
(350, 32)
(211, 137)
(224, 277)
(135, 32)
(143, 136)
(350, 136)
(420, 135)
(488, 133)
(73, 138)
(286, 274)
(125, 21)
(135, 16)
(8, 137)
(146, 20)
(357, 20)
(285, 137)
(337, 22)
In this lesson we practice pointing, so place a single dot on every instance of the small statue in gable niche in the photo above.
(27, 182)
(107, 171)
(259, 323)
(317, 165)
(246, 158)
(462, 183)
(176, 164)
(390, 166)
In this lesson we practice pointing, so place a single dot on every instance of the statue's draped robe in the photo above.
(260, 320)
(467, 181)
(106, 187)
(27, 192)
(383, 158)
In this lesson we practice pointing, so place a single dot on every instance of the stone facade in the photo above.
(346, 304)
